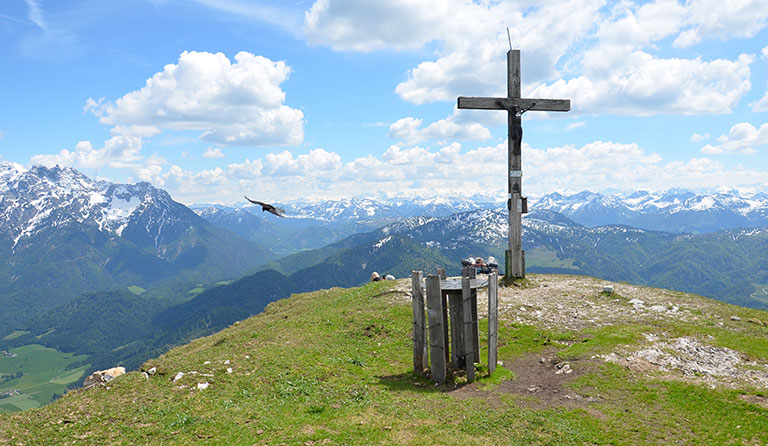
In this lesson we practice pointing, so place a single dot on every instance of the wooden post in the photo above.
(441, 274)
(467, 323)
(493, 320)
(471, 272)
(436, 326)
(457, 340)
(514, 160)
(419, 325)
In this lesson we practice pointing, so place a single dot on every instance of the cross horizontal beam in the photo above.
(510, 103)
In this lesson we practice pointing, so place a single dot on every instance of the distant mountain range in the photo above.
(675, 210)
(314, 225)
(62, 234)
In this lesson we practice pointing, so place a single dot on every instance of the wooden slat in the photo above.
(475, 328)
(420, 355)
(446, 339)
(493, 321)
(436, 322)
(509, 103)
(457, 341)
(454, 283)
(467, 334)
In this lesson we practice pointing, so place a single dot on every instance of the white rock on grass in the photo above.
(178, 376)
(202, 386)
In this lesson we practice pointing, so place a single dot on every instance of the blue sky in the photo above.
(213, 99)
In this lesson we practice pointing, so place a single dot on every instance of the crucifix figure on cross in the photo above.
(514, 265)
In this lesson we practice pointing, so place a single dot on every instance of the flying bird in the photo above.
(268, 207)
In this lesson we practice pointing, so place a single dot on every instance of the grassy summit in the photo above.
(640, 366)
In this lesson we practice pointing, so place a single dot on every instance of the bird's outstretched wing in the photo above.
(256, 202)
(268, 207)
(277, 211)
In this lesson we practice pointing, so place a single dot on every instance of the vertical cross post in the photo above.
(514, 267)
(515, 105)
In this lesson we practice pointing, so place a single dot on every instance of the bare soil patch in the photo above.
(541, 380)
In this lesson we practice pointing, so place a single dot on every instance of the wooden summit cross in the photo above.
(514, 265)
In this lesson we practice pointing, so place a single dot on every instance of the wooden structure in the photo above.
(514, 265)
(451, 323)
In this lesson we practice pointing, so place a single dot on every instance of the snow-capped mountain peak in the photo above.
(42, 198)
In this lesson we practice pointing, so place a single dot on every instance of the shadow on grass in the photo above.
(412, 382)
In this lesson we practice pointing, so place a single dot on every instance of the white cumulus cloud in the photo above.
(741, 139)
(601, 54)
(453, 127)
(236, 102)
(118, 152)
(644, 85)
(373, 25)
(709, 19)
(698, 137)
(213, 153)
(317, 162)
(449, 170)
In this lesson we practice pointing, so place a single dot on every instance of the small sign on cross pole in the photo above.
(515, 106)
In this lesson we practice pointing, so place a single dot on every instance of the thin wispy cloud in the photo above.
(36, 14)
(288, 19)
(14, 19)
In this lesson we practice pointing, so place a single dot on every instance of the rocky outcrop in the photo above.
(103, 376)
